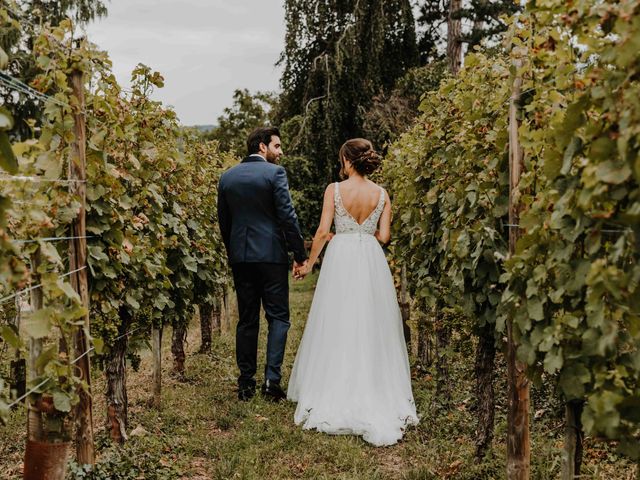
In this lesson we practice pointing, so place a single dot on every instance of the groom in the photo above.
(259, 224)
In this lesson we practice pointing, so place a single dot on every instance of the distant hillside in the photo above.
(204, 128)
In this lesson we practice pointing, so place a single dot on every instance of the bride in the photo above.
(351, 373)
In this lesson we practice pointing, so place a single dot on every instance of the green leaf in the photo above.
(602, 148)
(132, 301)
(50, 252)
(68, 290)
(573, 379)
(534, 308)
(38, 324)
(574, 146)
(9, 335)
(62, 401)
(6, 119)
(4, 59)
(553, 360)
(49, 355)
(98, 343)
(8, 160)
(612, 172)
(190, 263)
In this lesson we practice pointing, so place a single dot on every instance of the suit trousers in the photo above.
(256, 283)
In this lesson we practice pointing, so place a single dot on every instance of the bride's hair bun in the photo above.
(360, 153)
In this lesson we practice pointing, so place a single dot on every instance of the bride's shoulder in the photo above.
(330, 190)
(377, 186)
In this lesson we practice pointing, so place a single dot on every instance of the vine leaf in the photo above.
(38, 324)
(8, 160)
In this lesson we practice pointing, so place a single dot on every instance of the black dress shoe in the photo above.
(272, 391)
(246, 393)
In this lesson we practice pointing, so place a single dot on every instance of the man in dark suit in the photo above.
(259, 225)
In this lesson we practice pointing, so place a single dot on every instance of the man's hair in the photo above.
(260, 135)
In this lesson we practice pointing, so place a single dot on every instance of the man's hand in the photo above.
(300, 270)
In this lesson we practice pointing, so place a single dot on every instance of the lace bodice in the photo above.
(345, 223)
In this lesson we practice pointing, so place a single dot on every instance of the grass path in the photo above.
(203, 432)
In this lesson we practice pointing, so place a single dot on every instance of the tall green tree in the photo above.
(477, 19)
(246, 113)
(338, 56)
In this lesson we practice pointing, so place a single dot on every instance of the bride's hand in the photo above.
(306, 269)
(300, 270)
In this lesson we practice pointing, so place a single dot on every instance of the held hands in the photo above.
(301, 270)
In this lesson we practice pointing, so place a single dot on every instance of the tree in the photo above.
(391, 114)
(440, 22)
(234, 125)
(338, 55)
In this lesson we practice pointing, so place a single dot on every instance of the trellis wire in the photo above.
(52, 239)
(13, 295)
(24, 178)
(73, 362)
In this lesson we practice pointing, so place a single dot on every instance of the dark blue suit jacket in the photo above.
(256, 215)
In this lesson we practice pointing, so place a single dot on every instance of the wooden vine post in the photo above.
(156, 350)
(79, 280)
(34, 419)
(44, 457)
(573, 437)
(518, 443)
(405, 307)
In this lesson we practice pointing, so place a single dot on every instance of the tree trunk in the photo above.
(156, 344)
(485, 360)
(116, 395)
(405, 307)
(216, 316)
(177, 347)
(206, 311)
(424, 344)
(18, 365)
(443, 382)
(454, 34)
(573, 436)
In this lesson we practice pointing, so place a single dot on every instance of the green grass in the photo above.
(203, 432)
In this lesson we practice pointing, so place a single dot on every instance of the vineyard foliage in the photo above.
(154, 250)
(572, 285)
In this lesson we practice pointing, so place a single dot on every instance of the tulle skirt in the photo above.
(351, 373)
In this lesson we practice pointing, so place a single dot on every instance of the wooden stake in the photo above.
(405, 307)
(18, 364)
(573, 435)
(156, 344)
(35, 431)
(79, 280)
(518, 443)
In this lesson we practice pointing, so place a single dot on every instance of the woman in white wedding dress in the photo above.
(351, 373)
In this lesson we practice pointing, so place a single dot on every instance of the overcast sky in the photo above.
(205, 49)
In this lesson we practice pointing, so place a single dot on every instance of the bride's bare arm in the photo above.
(384, 231)
(323, 233)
